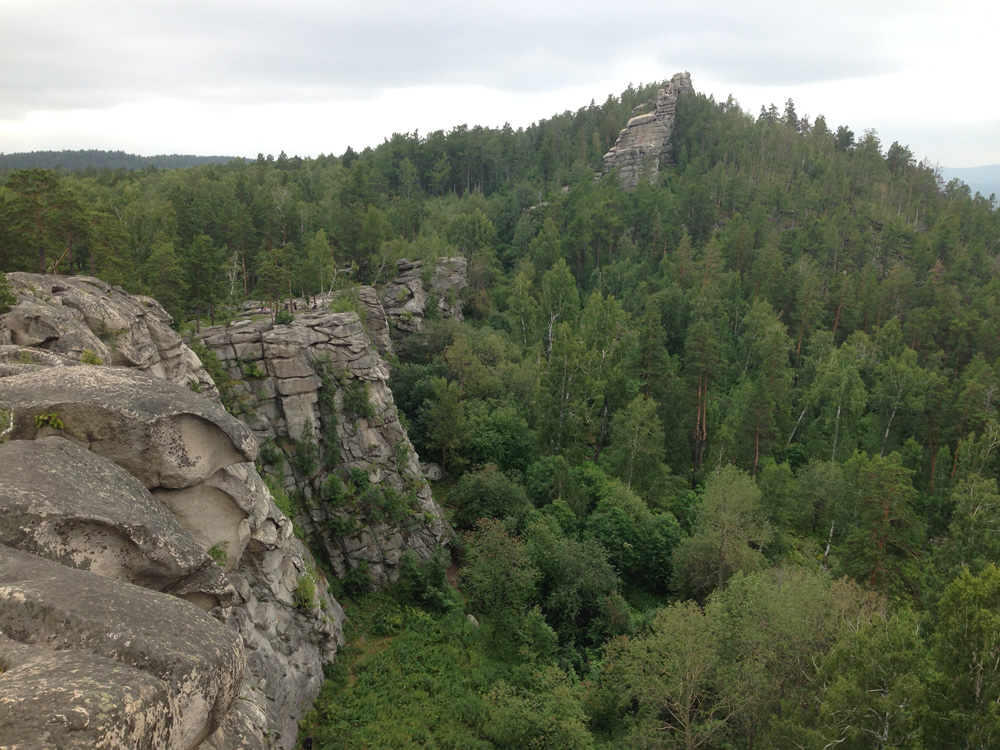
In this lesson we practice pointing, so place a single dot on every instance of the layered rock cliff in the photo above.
(418, 293)
(315, 392)
(644, 143)
(152, 594)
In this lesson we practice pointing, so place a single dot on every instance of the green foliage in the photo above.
(219, 552)
(213, 366)
(965, 647)
(251, 370)
(281, 498)
(284, 317)
(488, 493)
(425, 584)
(547, 712)
(884, 545)
(332, 490)
(357, 398)
(305, 592)
(498, 579)
(48, 419)
(7, 297)
(358, 580)
(348, 301)
(89, 357)
(729, 531)
(305, 452)
(271, 455)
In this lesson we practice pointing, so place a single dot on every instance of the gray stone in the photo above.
(645, 141)
(70, 314)
(161, 433)
(62, 502)
(200, 661)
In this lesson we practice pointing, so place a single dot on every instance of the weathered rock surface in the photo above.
(70, 314)
(407, 297)
(61, 699)
(199, 661)
(164, 435)
(644, 143)
(60, 501)
(195, 459)
(316, 395)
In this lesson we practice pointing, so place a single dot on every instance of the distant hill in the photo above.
(982, 180)
(93, 159)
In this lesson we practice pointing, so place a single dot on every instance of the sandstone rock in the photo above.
(645, 141)
(199, 660)
(75, 699)
(163, 434)
(59, 501)
(195, 457)
(70, 314)
(319, 367)
(406, 300)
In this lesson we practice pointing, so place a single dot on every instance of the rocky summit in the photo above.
(645, 141)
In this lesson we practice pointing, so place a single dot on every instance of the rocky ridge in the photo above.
(315, 393)
(645, 141)
(418, 292)
(128, 501)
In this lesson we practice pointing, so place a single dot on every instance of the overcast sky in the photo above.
(308, 77)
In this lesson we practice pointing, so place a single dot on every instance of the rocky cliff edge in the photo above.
(152, 595)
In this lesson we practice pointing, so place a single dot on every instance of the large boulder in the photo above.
(60, 501)
(199, 660)
(161, 433)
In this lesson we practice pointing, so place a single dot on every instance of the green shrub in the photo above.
(305, 592)
(281, 498)
(219, 552)
(341, 525)
(213, 366)
(89, 357)
(358, 580)
(251, 370)
(271, 455)
(357, 399)
(283, 318)
(425, 584)
(348, 301)
(7, 298)
(332, 490)
(48, 419)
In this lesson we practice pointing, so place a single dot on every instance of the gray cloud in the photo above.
(59, 55)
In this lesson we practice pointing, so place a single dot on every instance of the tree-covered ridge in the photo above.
(94, 159)
(741, 423)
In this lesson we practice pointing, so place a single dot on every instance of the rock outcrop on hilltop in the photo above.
(315, 392)
(152, 594)
(418, 292)
(77, 314)
(645, 141)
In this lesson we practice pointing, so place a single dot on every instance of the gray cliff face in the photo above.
(315, 393)
(417, 293)
(151, 592)
(70, 314)
(645, 141)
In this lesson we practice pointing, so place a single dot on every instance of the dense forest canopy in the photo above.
(93, 160)
(723, 449)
